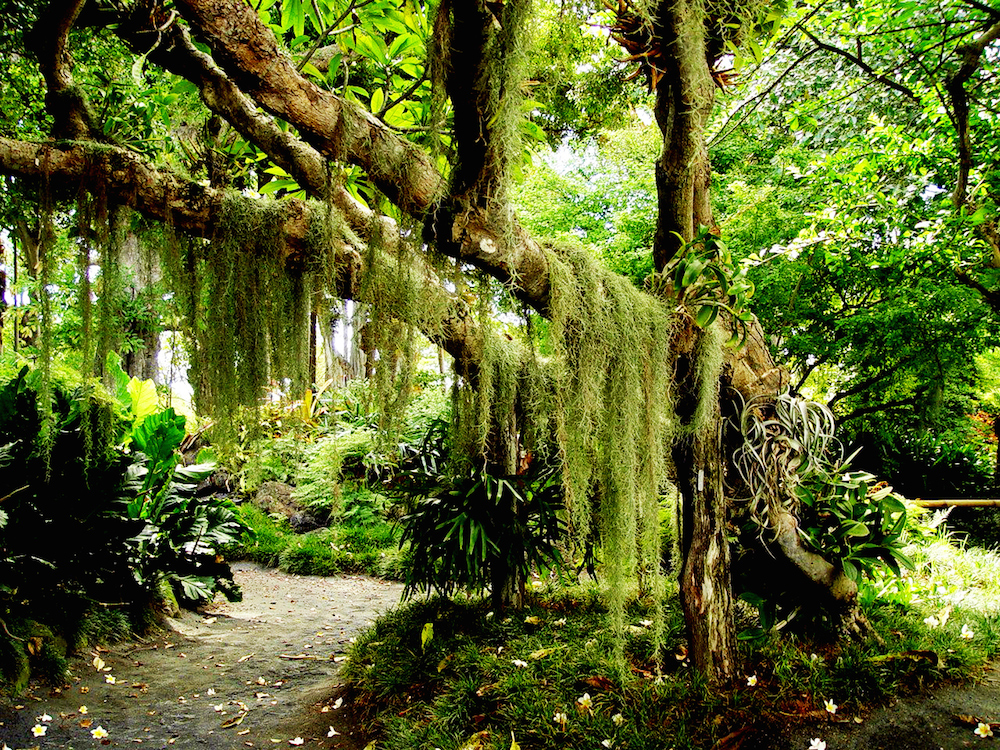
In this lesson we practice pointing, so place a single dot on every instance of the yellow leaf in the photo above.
(513, 743)
(235, 721)
(145, 399)
(426, 635)
(307, 406)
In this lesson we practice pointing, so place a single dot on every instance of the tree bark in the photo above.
(685, 95)
(705, 585)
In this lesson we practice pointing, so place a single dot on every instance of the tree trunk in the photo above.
(508, 584)
(699, 463)
(684, 98)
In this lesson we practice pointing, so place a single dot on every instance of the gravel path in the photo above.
(257, 673)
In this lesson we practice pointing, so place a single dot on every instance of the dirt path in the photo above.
(937, 720)
(262, 673)
(224, 679)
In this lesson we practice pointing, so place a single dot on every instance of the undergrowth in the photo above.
(451, 675)
(371, 548)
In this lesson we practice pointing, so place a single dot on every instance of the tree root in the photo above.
(822, 576)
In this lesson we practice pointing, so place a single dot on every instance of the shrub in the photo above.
(470, 530)
(97, 509)
(923, 465)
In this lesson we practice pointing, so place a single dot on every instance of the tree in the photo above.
(878, 298)
(409, 170)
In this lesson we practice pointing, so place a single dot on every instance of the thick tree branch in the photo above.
(49, 41)
(970, 54)
(250, 54)
(816, 569)
(126, 178)
(177, 53)
(863, 66)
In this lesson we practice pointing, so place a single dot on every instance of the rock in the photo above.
(276, 497)
(217, 484)
(303, 521)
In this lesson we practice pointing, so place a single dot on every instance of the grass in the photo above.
(481, 681)
(371, 548)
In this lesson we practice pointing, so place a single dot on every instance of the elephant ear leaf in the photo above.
(144, 399)
(158, 435)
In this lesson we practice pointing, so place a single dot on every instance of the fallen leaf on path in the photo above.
(245, 658)
(98, 663)
(238, 719)
(297, 656)
(86, 723)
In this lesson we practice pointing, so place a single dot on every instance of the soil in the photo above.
(263, 673)
(944, 718)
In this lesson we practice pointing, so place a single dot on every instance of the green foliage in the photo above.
(63, 532)
(601, 192)
(922, 465)
(89, 521)
(704, 277)
(468, 530)
(370, 548)
(579, 87)
(851, 518)
(317, 482)
(791, 462)
(482, 677)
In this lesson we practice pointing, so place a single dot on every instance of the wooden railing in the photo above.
(941, 502)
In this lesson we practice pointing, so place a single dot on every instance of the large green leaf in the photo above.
(159, 435)
(144, 399)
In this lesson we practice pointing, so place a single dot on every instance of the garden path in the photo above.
(261, 673)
